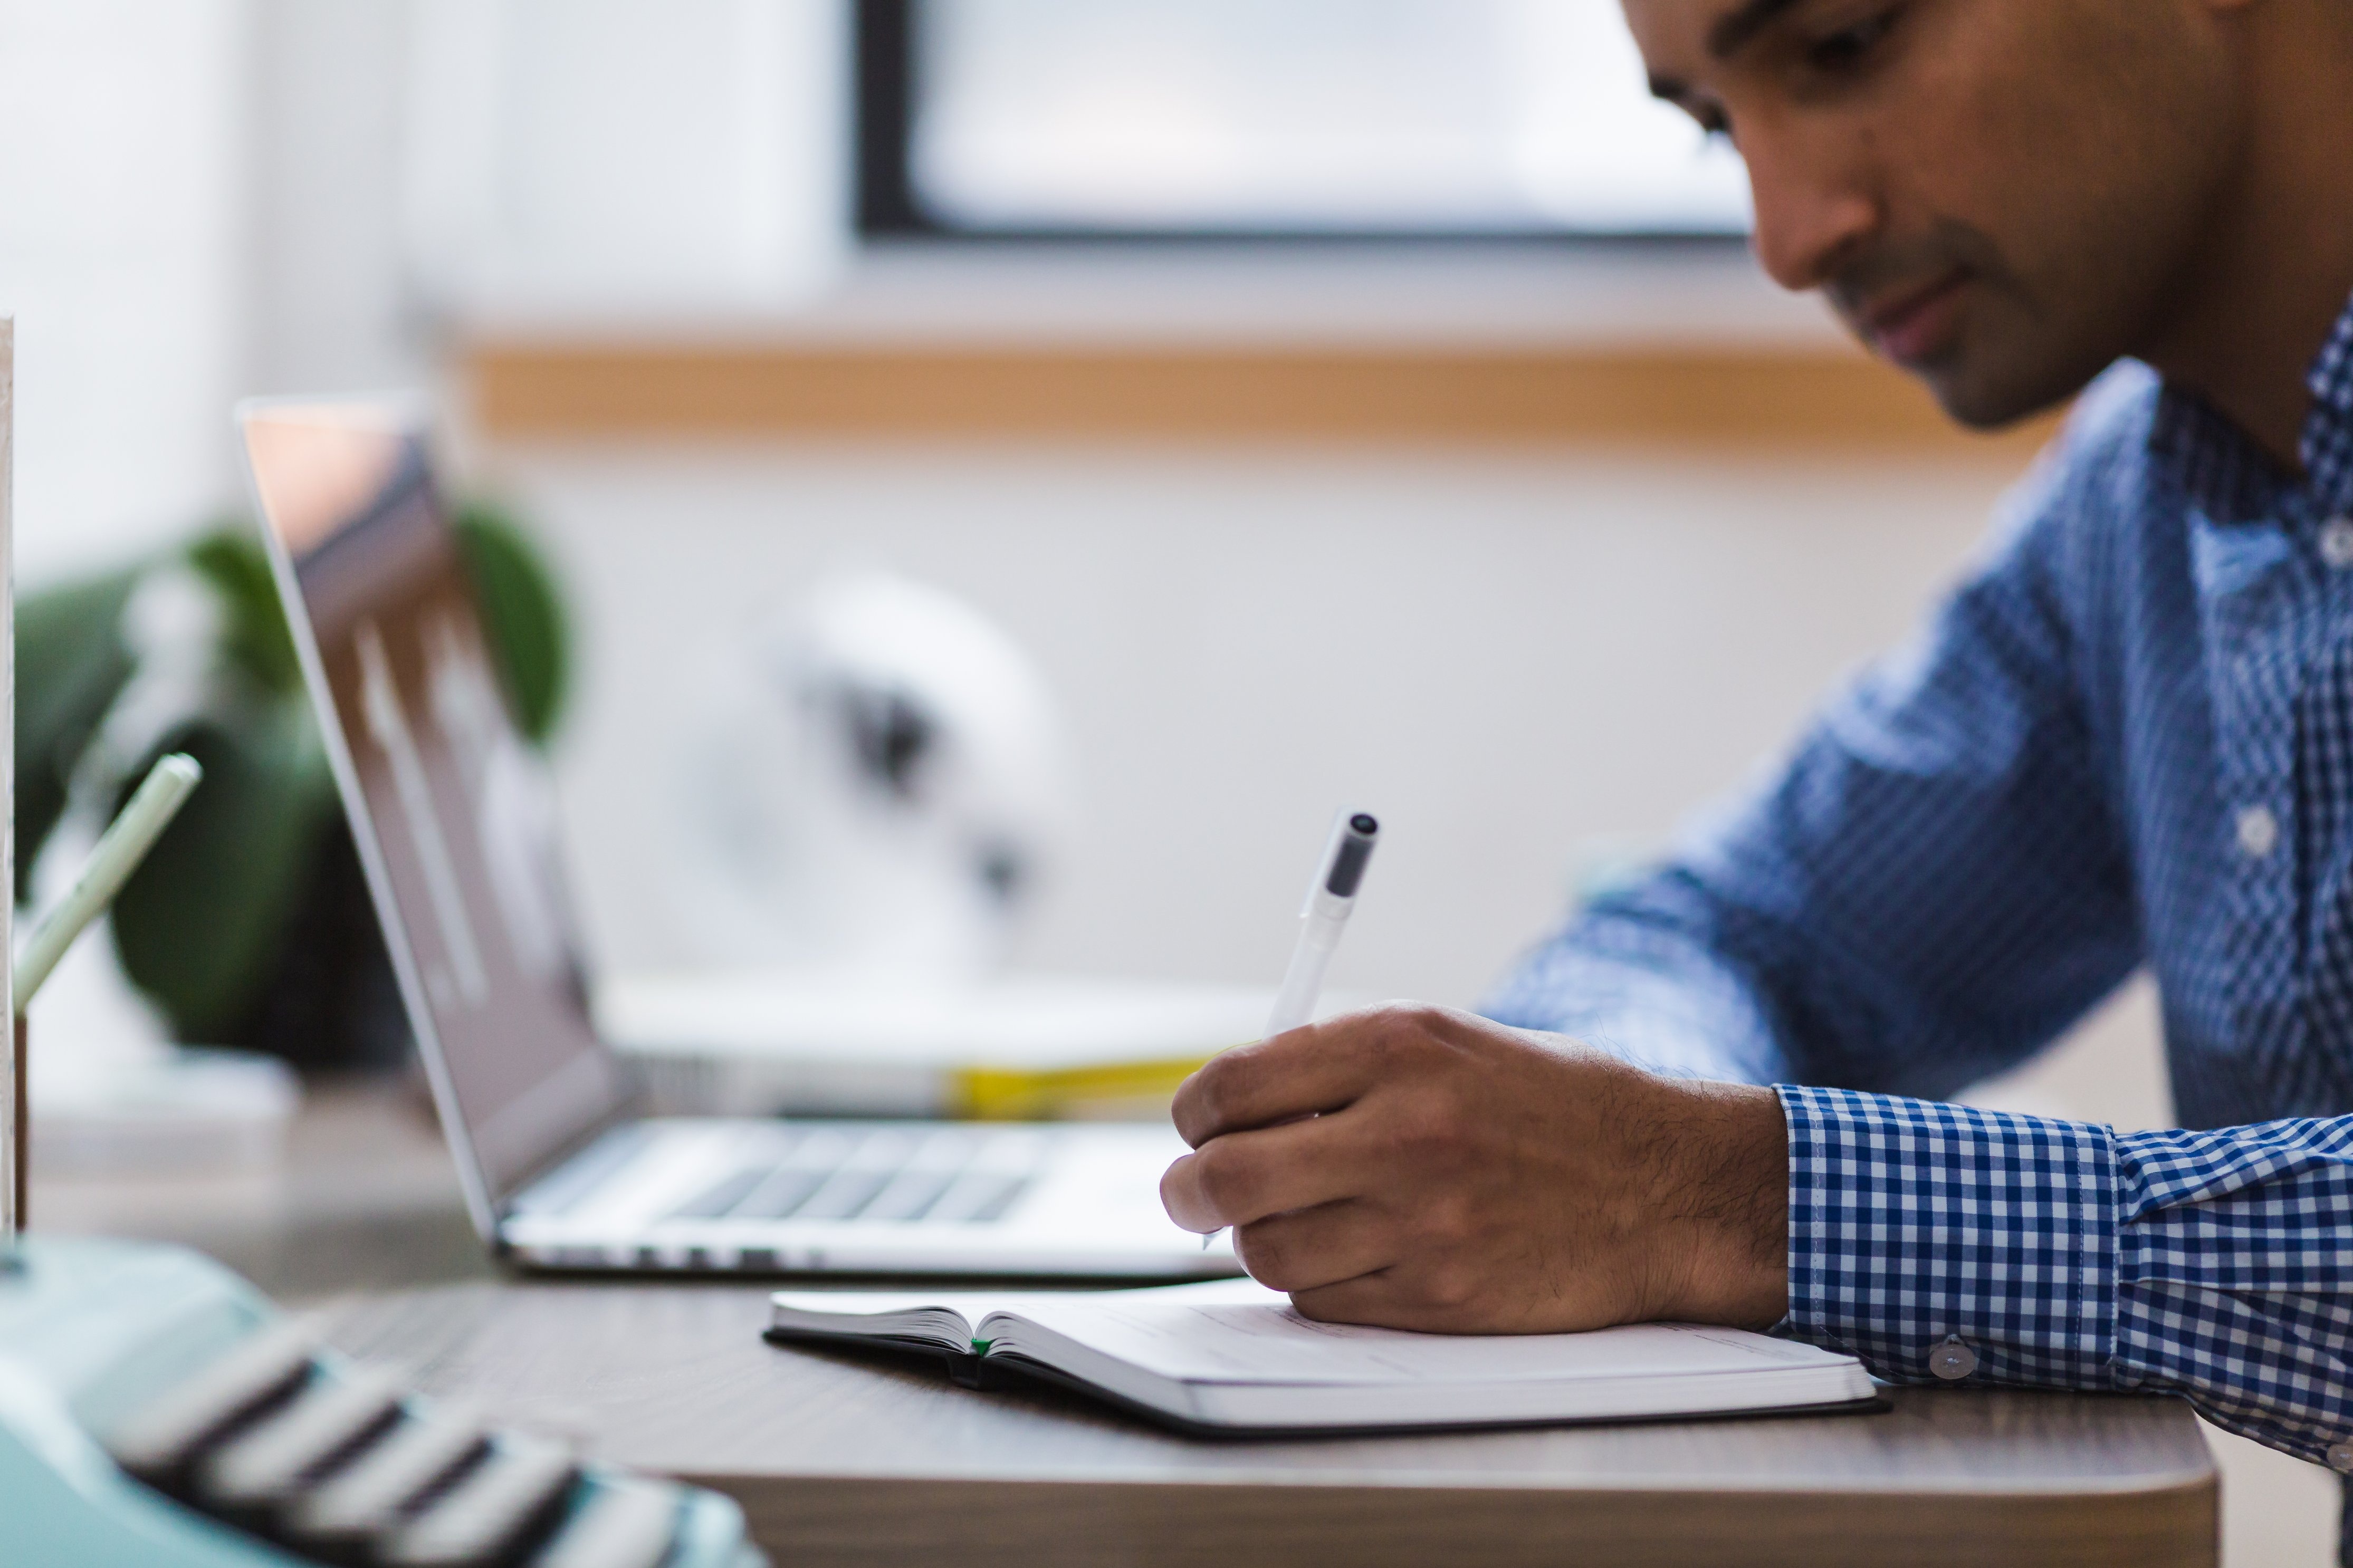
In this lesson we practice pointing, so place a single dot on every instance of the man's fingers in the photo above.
(1372, 1298)
(1245, 1176)
(1403, 1296)
(1308, 1249)
(1306, 1071)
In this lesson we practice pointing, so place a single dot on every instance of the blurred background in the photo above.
(1321, 402)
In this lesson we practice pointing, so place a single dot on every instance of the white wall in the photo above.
(330, 306)
(204, 198)
(1508, 656)
(122, 188)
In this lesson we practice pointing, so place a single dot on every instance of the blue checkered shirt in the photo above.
(2125, 740)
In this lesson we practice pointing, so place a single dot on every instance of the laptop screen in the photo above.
(452, 811)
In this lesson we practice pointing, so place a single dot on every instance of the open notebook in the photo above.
(1232, 1357)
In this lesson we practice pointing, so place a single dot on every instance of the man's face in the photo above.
(2000, 195)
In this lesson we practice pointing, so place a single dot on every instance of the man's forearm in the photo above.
(1722, 1204)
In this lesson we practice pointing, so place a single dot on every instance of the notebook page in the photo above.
(882, 1313)
(1237, 1331)
(942, 1319)
(973, 1305)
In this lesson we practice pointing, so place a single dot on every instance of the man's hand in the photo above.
(1419, 1168)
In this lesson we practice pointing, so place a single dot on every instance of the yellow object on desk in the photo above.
(1015, 1046)
(1110, 1091)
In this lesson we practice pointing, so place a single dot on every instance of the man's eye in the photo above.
(1850, 46)
(1713, 121)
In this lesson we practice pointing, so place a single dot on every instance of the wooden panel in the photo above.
(1759, 398)
(996, 1524)
(840, 1459)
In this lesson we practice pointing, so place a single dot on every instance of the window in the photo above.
(1275, 117)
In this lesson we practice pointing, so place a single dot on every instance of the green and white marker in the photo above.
(120, 850)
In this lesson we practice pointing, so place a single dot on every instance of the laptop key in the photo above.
(908, 1195)
(980, 1197)
(723, 1195)
(844, 1194)
(949, 1175)
(998, 1201)
(776, 1197)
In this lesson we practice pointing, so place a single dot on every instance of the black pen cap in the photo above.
(1355, 852)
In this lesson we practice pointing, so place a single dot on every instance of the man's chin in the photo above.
(1977, 400)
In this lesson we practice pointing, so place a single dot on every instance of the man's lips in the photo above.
(1918, 325)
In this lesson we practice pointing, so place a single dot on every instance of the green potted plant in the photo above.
(249, 924)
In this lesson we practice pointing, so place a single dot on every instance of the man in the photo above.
(2126, 739)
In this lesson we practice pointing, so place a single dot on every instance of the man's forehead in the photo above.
(1693, 32)
(1680, 39)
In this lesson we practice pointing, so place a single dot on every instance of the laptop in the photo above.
(454, 818)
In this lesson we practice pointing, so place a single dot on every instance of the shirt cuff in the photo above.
(1913, 1223)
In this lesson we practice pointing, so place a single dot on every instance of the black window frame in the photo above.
(886, 208)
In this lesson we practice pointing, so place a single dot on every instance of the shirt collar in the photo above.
(2329, 432)
(2229, 477)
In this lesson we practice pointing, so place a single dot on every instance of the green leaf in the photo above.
(254, 632)
(70, 665)
(521, 615)
(199, 927)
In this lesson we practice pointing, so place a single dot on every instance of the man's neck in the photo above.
(2259, 301)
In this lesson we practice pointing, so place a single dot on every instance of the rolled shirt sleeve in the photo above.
(1930, 886)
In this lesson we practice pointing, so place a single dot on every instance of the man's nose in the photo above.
(1813, 210)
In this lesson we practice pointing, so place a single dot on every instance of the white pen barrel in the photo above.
(1302, 983)
(1330, 897)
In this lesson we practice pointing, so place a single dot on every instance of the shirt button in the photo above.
(1952, 1361)
(2258, 831)
(2337, 542)
(2340, 1457)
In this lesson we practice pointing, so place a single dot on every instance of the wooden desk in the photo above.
(844, 1461)
(366, 1199)
(840, 1460)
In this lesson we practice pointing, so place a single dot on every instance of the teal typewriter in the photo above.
(156, 1411)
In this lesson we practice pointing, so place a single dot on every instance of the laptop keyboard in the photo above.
(951, 1175)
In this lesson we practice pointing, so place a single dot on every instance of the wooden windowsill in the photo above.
(1239, 344)
(1755, 398)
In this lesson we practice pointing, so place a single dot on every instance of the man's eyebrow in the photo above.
(1733, 31)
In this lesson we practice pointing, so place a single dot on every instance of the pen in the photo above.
(1331, 898)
